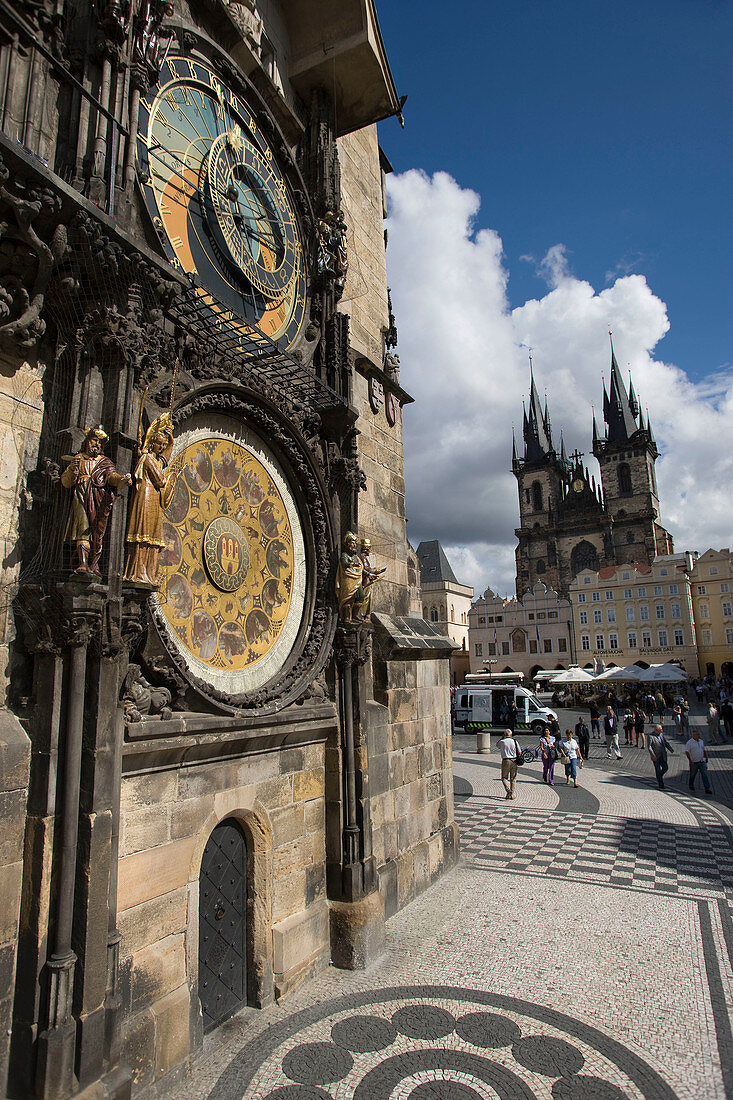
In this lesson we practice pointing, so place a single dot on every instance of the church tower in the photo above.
(542, 475)
(627, 454)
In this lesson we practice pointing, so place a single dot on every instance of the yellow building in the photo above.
(636, 613)
(712, 602)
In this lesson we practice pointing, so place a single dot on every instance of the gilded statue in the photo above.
(153, 493)
(94, 480)
(368, 577)
(349, 578)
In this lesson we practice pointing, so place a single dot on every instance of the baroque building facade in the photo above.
(568, 522)
(215, 776)
(712, 602)
(445, 603)
(524, 635)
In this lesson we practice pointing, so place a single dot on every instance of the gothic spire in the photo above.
(618, 410)
(515, 457)
(536, 426)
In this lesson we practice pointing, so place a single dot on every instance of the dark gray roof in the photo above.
(434, 566)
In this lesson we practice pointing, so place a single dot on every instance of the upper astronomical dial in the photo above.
(219, 202)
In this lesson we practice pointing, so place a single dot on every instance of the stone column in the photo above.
(357, 915)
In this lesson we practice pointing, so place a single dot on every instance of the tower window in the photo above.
(624, 478)
(537, 496)
(540, 565)
(630, 537)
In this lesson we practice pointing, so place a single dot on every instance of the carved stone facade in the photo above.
(225, 715)
(568, 522)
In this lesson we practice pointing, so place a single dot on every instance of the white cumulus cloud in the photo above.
(463, 357)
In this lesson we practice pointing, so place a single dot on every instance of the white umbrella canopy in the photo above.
(573, 675)
(631, 672)
(663, 674)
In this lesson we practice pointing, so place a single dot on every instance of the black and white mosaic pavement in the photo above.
(436, 1043)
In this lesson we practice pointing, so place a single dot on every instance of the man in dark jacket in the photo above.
(595, 720)
(659, 747)
(582, 736)
(610, 727)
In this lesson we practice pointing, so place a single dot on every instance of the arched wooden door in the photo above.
(222, 924)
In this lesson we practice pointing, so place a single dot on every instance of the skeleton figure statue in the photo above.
(94, 481)
(153, 493)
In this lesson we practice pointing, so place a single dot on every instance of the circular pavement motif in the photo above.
(436, 1043)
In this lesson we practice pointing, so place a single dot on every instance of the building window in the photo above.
(613, 641)
(585, 641)
(610, 594)
(728, 636)
(630, 614)
(631, 639)
(624, 478)
(713, 570)
(433, 614)
(707, 637)
(583, 618)
(704, 611)
(659, 610)
(492, 649)
(425, 613)
(600, 642)
(679, 636)
(611, 614)
(674, 590)
(478, 649)
(499, 618)
(586, 580)
(547, 645)
(505, 648)
(658, 590)
(562, 645)
(597, 615)
(537, 496)
(531, 616)
(552, 614)
(595, 597)
(581, 597)
(663, 638)
(664, 572)
(727, 609)
(540, 615)
(724, 586)
(675, 611)
(644, 612)
(532, 645)
(482, 620)
(702, 590)
(540, 565)
(628, 593)
(625, 576)
(646, 639)
(641, 592)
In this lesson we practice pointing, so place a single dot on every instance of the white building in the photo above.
(445, 602)
(520, 635)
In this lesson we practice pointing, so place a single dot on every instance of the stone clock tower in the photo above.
(216, 781)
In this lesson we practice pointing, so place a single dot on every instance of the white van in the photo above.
(484, 707)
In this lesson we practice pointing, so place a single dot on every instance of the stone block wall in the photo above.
(166, 819)
(15, 757)
(414, 836)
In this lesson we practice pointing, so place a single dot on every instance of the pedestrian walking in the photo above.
(572, 757)
(549, 753)
(659, 749)
(639, 728)
(726, 713)
(697, 755)
(660, 706)
(628, 728)
(713, 718)
(582, 736)
(595, 720)
(649, 706)
(554, 728)
(511, 716)
(509, 750)
(610, 728)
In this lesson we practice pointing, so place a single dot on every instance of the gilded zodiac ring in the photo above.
(225, 554)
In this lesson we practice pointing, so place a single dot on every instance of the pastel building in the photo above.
(712, 603)
(520, 635)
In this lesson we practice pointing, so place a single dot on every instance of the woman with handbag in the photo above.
(549, 756)
(571, 757)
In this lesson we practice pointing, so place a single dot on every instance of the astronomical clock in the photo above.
(219, 202)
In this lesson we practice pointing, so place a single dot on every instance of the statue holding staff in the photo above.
(153, 493)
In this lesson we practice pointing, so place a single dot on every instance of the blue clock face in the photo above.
(219, 202)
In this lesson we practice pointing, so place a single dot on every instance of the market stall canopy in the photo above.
(573, 675)
(631, 672)
(663, 674)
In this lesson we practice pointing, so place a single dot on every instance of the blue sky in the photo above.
(604, 127)
(565, 167)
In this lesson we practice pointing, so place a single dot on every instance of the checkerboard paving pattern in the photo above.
(626, 852)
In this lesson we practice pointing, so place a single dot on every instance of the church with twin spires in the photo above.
(569, 522)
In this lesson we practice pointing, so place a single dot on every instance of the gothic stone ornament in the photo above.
(153, 493)
(376, 393)
(392, 409)
(95, 482)
(233, 569)
(219, 201)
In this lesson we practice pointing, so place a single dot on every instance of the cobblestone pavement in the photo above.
(582, 950)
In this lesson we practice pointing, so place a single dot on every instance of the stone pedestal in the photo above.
(483, 743)
(357, 931)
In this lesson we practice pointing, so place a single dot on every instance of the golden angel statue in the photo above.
(348, 579)
(153, 493)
